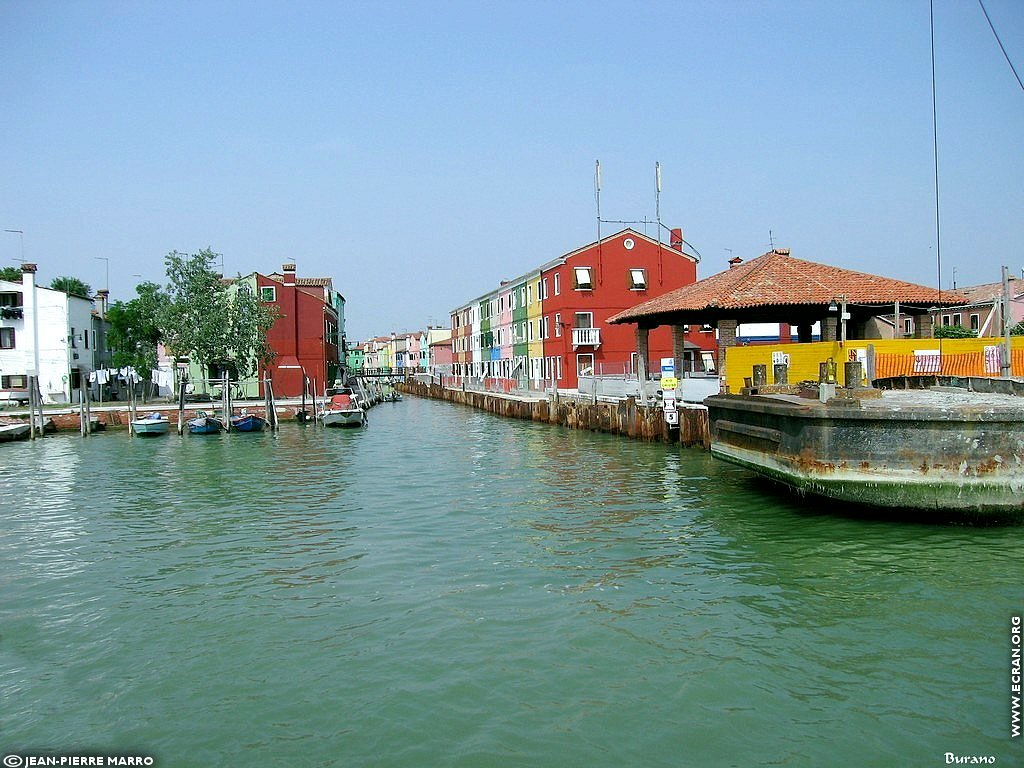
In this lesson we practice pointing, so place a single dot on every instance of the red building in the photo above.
(585, 287)
(306, 336)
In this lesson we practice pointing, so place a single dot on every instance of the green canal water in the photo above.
(448, 588)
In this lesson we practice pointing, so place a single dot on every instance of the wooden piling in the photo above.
(181, 405)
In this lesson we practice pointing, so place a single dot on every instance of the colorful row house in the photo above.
(400, 353)
(547, 327)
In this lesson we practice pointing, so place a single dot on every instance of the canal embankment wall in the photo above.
(624, 417)
(118, 416)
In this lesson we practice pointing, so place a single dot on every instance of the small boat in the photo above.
(343, 410)
(14, 431)
(153, 424)
(248, 422)
(204, 424)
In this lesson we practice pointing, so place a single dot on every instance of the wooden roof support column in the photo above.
(679, 348)
(642, 352)
(726, 339)
(828, 328)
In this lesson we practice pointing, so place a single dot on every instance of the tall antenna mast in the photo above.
(657, 214)
(657, 195)
(597, 192)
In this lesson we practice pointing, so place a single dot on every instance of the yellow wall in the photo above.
(534, 313)
(805, 358)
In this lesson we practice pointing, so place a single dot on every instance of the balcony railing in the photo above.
(586, 337)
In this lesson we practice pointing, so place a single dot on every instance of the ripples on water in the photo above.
(450, 588)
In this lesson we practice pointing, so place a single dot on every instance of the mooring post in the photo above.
(32, 407)
(760, 375)
(131, 407)
(181, 406)
(229, 407)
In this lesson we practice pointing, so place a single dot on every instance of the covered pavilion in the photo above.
(776, 287)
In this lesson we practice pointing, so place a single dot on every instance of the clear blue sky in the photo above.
(420, 152)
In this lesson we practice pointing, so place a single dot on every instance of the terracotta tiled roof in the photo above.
(777, 279)
(311, 281)
(986, 293)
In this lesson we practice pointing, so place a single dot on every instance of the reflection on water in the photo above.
(449, 587)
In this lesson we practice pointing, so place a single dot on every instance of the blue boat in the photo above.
(204, 424)
(247, 422)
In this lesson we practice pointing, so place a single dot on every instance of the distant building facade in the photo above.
(71, 340)
(548, 325)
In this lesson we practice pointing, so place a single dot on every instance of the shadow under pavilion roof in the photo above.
(777, 287)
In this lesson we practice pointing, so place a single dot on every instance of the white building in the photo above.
(49, 331)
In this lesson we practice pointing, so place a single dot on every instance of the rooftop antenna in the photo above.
(657, 214)
(597, 192)
(771, 240)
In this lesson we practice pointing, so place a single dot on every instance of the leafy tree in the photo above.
(194, 321)
(1018, 329)
(134, 330)
(71, 285)
(10, 274)
(954, 332)
(211, 324)
(250, 320)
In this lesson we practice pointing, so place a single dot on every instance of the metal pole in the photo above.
(1007, 369)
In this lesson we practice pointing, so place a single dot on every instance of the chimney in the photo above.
(734, 261)
(676, 238)
(101, 297)
(289, 273)
(782, 251)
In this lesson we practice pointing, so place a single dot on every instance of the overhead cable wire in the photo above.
(1001, 47)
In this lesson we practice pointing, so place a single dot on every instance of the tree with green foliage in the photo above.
(1018, 329)
(194, 320)
(212, 325)
(250, 320)
(954, 332)
(134, 331)
(72, 286)
(10, 274)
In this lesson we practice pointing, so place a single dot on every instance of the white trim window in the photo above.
(585, 364)
(558, 284)
(637, 279)
(584, 278)
(6, 338)
(544, 288)
(268, 294)
(558, 324)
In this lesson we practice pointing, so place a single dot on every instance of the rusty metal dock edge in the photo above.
(624, 418)
(967, 460)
